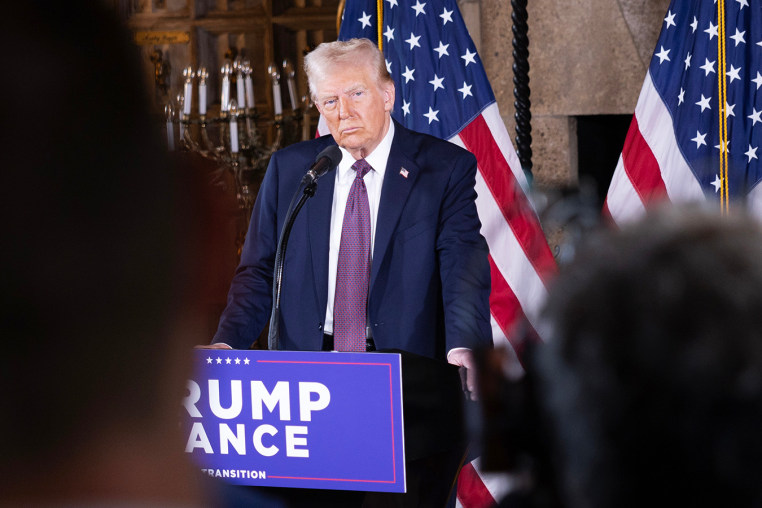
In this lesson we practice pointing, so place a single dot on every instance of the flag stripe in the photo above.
(622, 202)
(512, 265)
(656, 127)
(641, 166)
(507, 313)
(491, 115)
(472, 492)
(513, 204)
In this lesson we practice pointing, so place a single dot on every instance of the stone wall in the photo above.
(587, 57)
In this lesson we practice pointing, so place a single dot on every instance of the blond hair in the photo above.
(328, 55)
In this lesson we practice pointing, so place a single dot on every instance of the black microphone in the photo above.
(324, 162)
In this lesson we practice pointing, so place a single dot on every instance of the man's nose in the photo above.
(344, 107)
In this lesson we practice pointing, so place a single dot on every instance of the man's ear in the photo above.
(389, 96)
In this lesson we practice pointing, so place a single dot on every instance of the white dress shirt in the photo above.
(345, 175)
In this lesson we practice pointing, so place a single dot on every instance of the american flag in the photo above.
(672, 150)
(442, 90)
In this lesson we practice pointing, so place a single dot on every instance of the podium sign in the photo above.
(321, 420)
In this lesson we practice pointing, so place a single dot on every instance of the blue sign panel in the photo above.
(322, 420)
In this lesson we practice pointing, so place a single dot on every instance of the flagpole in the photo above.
(521, 91)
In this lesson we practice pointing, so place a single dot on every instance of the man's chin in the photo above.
(350, 146)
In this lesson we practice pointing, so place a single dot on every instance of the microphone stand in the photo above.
(273, 337)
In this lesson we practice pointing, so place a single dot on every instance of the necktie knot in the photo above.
(361, 168)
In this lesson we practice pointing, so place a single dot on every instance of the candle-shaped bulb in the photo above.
(203, 74)
(225, 99)
(187, 90)
(288, 72)
(273, 72)
(180, 101)
(249, 85)
(233, 126)
(239, 82)
(169, 112)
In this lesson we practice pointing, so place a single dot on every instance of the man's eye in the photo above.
(358, 93)
(329, 103)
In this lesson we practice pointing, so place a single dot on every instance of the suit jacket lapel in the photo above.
(319, 232)
(399, 178)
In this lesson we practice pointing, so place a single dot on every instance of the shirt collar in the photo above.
(377, 158)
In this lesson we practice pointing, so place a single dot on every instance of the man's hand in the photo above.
(219, 345)
(464, 358)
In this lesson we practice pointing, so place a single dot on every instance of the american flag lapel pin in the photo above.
(404, 172)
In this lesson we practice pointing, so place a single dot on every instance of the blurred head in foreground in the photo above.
(96, 264)
(653, 376)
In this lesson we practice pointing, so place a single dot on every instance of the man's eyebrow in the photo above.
(354, 88)
(348, 90)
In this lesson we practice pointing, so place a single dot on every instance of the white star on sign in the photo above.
(408, 74)
(365, 20)
(755, 116)
(432, 115)
(465, 90)
(469, 57)
(733, 73)
(405, 107)
(670, 19)
(219, 360)
(699, 139)
(704, 103)
(246, 361)
(389, 34)
(708, 67)
(757, 80)
(209, 359)
(418, 8)
(237, 361)
(446, 16)
(413, 41)
(663, 55)
(228, 361)
(437, 82)
(717, 183)
(751, 153)
(712, 31)
(442, 49)
(738, 37)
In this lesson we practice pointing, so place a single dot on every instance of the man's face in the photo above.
(355, 107)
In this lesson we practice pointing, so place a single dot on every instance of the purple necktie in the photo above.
(353, 269)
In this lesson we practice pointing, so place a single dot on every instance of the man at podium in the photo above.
(387, 254)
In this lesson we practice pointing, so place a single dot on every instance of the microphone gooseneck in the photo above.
(324, 162)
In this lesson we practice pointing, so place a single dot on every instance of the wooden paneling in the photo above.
(264, 31)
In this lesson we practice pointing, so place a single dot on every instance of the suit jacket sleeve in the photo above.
(249, 299)
(463, 261)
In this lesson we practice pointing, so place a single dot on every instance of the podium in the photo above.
(316, 425)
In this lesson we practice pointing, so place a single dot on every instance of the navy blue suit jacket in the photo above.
(430, 281)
